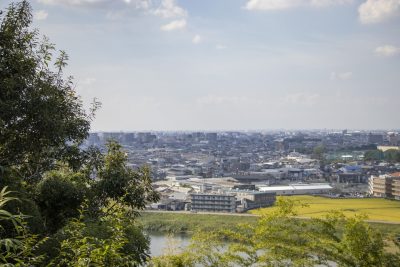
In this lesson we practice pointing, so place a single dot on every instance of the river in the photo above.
(162, 243)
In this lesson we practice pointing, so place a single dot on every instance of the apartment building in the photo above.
(213, 202)
(253, 199)
(387, 185)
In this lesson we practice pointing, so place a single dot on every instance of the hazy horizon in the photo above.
(247, 130)
(165, 65)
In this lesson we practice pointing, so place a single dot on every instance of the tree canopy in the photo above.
(41, 116)
(80, 206)
(391, 155)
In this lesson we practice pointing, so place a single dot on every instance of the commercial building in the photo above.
(387, 185)
(253, 199)
(297, 189)
(213, 202)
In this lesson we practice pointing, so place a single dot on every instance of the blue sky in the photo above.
(231, 64)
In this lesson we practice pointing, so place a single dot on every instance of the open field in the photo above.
(376, 209)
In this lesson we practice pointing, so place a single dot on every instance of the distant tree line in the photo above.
(391, 155)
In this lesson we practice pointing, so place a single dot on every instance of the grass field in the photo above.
(376, 209)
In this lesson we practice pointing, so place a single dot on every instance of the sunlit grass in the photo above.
(317, 207)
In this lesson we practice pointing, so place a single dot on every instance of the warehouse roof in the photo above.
(295, 187)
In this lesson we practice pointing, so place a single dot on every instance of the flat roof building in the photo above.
(387, 185)
(297, 189)
(213, 202)
(250, 199)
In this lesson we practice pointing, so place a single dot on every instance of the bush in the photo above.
(58, 199)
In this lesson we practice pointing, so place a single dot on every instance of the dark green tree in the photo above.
(59, 197)
(41, 116)
(392, 155)
(42, 124)
(20, 249)
(118, 183)
(318, 152)
(373, 155)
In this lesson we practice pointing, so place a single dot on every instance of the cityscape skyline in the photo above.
(230, 65)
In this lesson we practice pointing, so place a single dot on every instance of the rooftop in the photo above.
(295, 187)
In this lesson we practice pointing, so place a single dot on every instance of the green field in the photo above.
(376, 209)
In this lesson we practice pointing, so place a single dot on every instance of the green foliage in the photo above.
(10, 179)
(59, 198)
(188, 223)
(373, 155)
(62, 191)
(16, 250)
(319, 154)
(41, 117)
(278, 239)
(391, 155)
(119, 183)
(84, 247)
(42, 124)
(318, 150)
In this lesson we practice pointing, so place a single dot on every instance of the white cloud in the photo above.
(302, 98)
(72, 2)
(169, 9)
(227, 100)
(174, 25)
(374, 11)
(117, 8)
(40, 15)
(141, 4)
(343, 76)
(271, 4)
(196, 39)
(89, 81)
(138, 4)
(286, 4)
(220, 46)
(387, 50)
(325, 3)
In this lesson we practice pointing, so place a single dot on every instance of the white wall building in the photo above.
(297, 189)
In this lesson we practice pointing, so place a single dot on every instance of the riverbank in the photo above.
(173, 222)
(187, 223)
